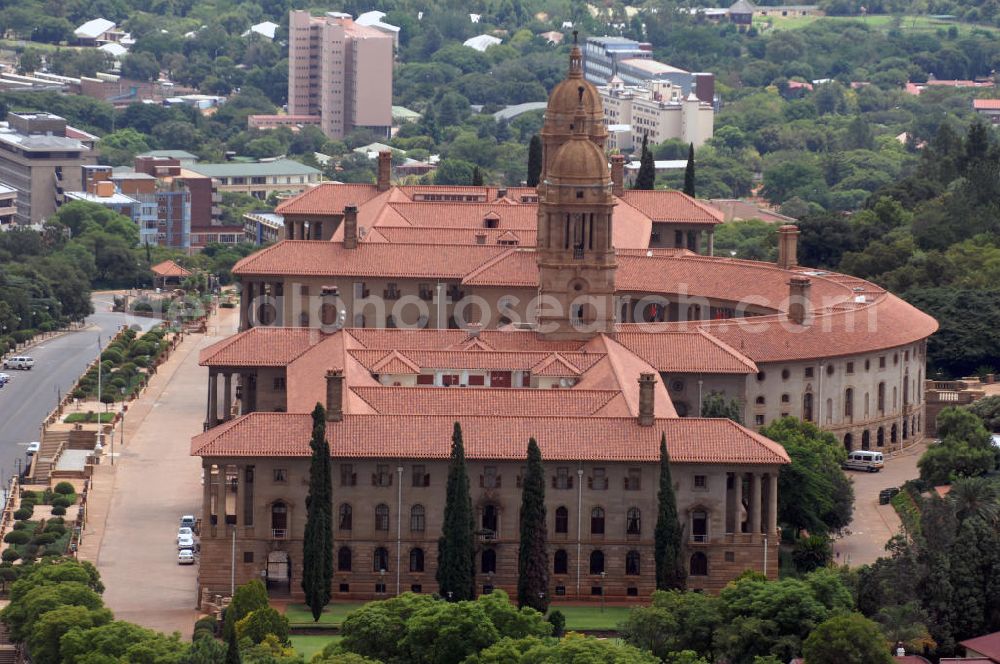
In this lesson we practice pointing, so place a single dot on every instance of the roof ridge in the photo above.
(475, 272)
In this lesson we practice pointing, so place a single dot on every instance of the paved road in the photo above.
(875, 524)
(31, 395)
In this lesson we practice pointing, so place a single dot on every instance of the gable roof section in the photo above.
(611, 439)
(522, 402)
(671, 206)
(513, 268)
(395, 363)
(674, 351)
(327, 198)
(169, 268)
(987, 645)
(261, 347)
(555, 365)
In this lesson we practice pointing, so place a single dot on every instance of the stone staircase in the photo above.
(8, 651)
(53, 443)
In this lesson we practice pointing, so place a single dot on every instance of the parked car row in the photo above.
(22, 362)
(186, 544)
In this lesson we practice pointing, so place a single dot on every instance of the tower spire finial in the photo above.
(575, 33)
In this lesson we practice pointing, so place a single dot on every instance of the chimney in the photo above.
(647, 381)
(798, 300)
(334, 395)
(384, 169)
(788, 246)
(350, 227)
(618, 174)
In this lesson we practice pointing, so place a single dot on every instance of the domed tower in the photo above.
(562, 109)
(576, 258)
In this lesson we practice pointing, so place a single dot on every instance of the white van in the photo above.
(864, 460)
(22, 362)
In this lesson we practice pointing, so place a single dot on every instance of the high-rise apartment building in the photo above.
(41, 157)
(339, 71)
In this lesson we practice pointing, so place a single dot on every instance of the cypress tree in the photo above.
(456, 550)
(233, 650)
(646, 177)
(317, 545)
(477, 177)
(689, 172)
(667, 538)
(534, 161)
(533, 559)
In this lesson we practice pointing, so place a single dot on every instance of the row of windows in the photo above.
(490, 479)
(810, 372)
(697, 564)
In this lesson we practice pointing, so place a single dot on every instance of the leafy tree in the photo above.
(668, 535)
(846, 639)
(906, 624)
(120, 148)
(455, 573)
(377, 629)
(453, 171)
(43, 641)
(646, 177)
(575, 648)
(689, 172)
(121, 641)
(533, 559)
(811, 553)
(676, 621)
(534, 161)
(248, 598)
(813, 492)
(140, 67)
(717, 405)
(317, 546)
(477, 177)
(261, 623)
(21, 616)
(966, 448)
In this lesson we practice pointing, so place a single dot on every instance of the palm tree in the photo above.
(976, 496)
(905, 624)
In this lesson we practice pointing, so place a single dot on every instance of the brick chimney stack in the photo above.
(647, 381)
(384, 169)
(798, 300)
(618, 174)
(334, 395)
(350, 227)
(788, 246)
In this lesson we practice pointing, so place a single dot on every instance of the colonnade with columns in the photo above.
(244, 387)
(752, 504)
(252, 295)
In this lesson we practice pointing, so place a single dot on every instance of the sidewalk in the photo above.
(133, 507)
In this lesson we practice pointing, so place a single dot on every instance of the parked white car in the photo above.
(185, 557)
(22, 362)
(33, 448)
(187, 521)
(185, 542)
(183, 533)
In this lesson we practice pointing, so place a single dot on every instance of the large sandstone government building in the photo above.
(591, 318)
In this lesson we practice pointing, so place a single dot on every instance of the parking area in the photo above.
(873, 523)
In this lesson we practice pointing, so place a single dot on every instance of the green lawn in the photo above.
(307, 646)
(592, 618)
(333, 614)
(881, 21)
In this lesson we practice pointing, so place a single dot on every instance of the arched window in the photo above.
(848, 442)
(807, 407)
(866, 439)
(488, 561)
(632, 563)
(760, 401)
(880, 437)
(382, 517)
(380, 560)
(633, 521)
(881, 397)
(490, 518)
(829, 411)
(849, 403)
(893, 434)
(906, 389)
(417, 519)
(279, 519)
(560, 562)
(345, 517)
(699, 564)
(416, 560)
(895, 397)
(906, 429)
(867, 408)
(597, 521)
(343, 559)
(596, 562)
(562, 520)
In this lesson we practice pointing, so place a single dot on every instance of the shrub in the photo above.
(58, 511)
(17, 537)
(9, 555)
(65, 488)
(51, 553)
(57, 528)
(80, 393)
(62, 501)
(119, 381)
(47, 496)
(20, 525)
(204, 626)
(558, 622)
(43, 539)
(58, 520)
(24, 513)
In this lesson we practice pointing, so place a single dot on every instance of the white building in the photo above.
(660, 111)
(482, 42)
(373, 19)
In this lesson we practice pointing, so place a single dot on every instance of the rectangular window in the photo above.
(599, 479)
(881, 362)
(850, 367)
(758, 420)
(809, 372)
(700, 482)
(382, 476)
(562, 479)
(633, 481)
(489, 478)
(730, 556)
(279, 384)
(347, 476)
(420, 476)
(280, 475)
(248, 556)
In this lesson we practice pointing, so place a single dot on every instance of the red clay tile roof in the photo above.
(261, 347)
(439, 235)
(169, 269)
(523, 402)
(694, 351)
(987, 645)
(557, 366)
(512, 268)
(671, 206)
(986, 104)
(435, 339)
(327, 198)
(621, 439)
(474, 359)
